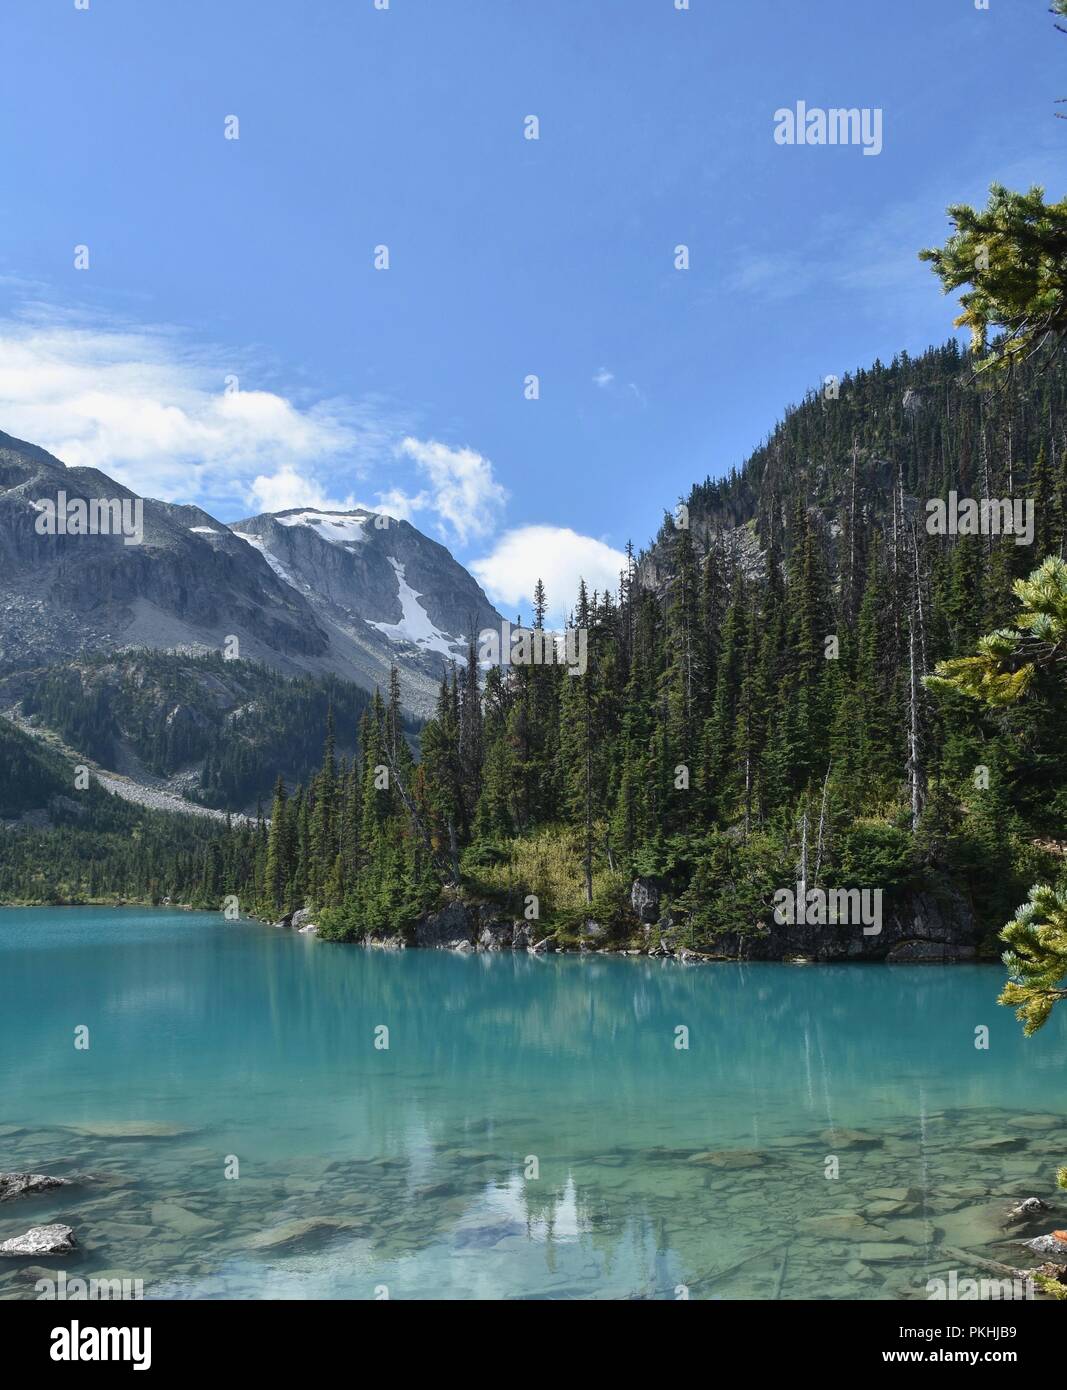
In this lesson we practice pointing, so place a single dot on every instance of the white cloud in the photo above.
(556, 555)
(464, 494)
(287, 488)
(145, 408)
(401, 505)
(604, 378)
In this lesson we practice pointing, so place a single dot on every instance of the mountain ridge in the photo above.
(195, 583)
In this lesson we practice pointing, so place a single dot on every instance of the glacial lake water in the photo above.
(532, 1130)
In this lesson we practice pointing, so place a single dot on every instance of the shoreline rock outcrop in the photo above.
(918, 926)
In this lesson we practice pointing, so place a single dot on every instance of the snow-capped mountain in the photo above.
(376, 582)
(303, 590)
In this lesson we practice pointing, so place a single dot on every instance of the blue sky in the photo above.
(253, 258)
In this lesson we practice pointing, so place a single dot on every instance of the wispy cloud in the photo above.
(841, 254)
(182, 422)
(463, 492)
(172, 420)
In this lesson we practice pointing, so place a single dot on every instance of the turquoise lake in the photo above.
(410, 1172)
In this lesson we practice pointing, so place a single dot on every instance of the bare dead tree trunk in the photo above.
(915, 769)
(588, 832)
(453, 850)
(588, 802)
(804, 851)
(748, 789)
(919, 598)
(986, 488)
(822, 823)
(449, 873)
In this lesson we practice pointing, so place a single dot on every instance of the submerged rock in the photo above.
(435, 1189)
(898, 1194)
(485, 1237)
(998, 1143)
(25, 1184)
(851, 1139)
(312, 1229)
(972, 1227)
(130, 1129)
(731, 1158)
(181, 1219)
(41, 1240)
(843, 1225)
(879, 1252)
(884, 1208)
(916, 1232)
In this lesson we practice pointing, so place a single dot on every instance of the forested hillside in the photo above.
(753, 712)
(754, 701)
(59, 843)
(229, 727)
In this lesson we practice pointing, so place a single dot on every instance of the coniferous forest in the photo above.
(754, 711)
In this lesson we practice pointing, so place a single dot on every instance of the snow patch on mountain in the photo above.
(275, 564)
(415, 625)
(339, 528)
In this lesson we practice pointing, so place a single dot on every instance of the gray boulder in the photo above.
(41, 1240)
(1033, 1206)
(25, 1184)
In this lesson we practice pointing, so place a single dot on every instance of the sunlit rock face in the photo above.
(352, 593)
(379, 584)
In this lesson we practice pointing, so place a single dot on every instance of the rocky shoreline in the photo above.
(923, 927)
